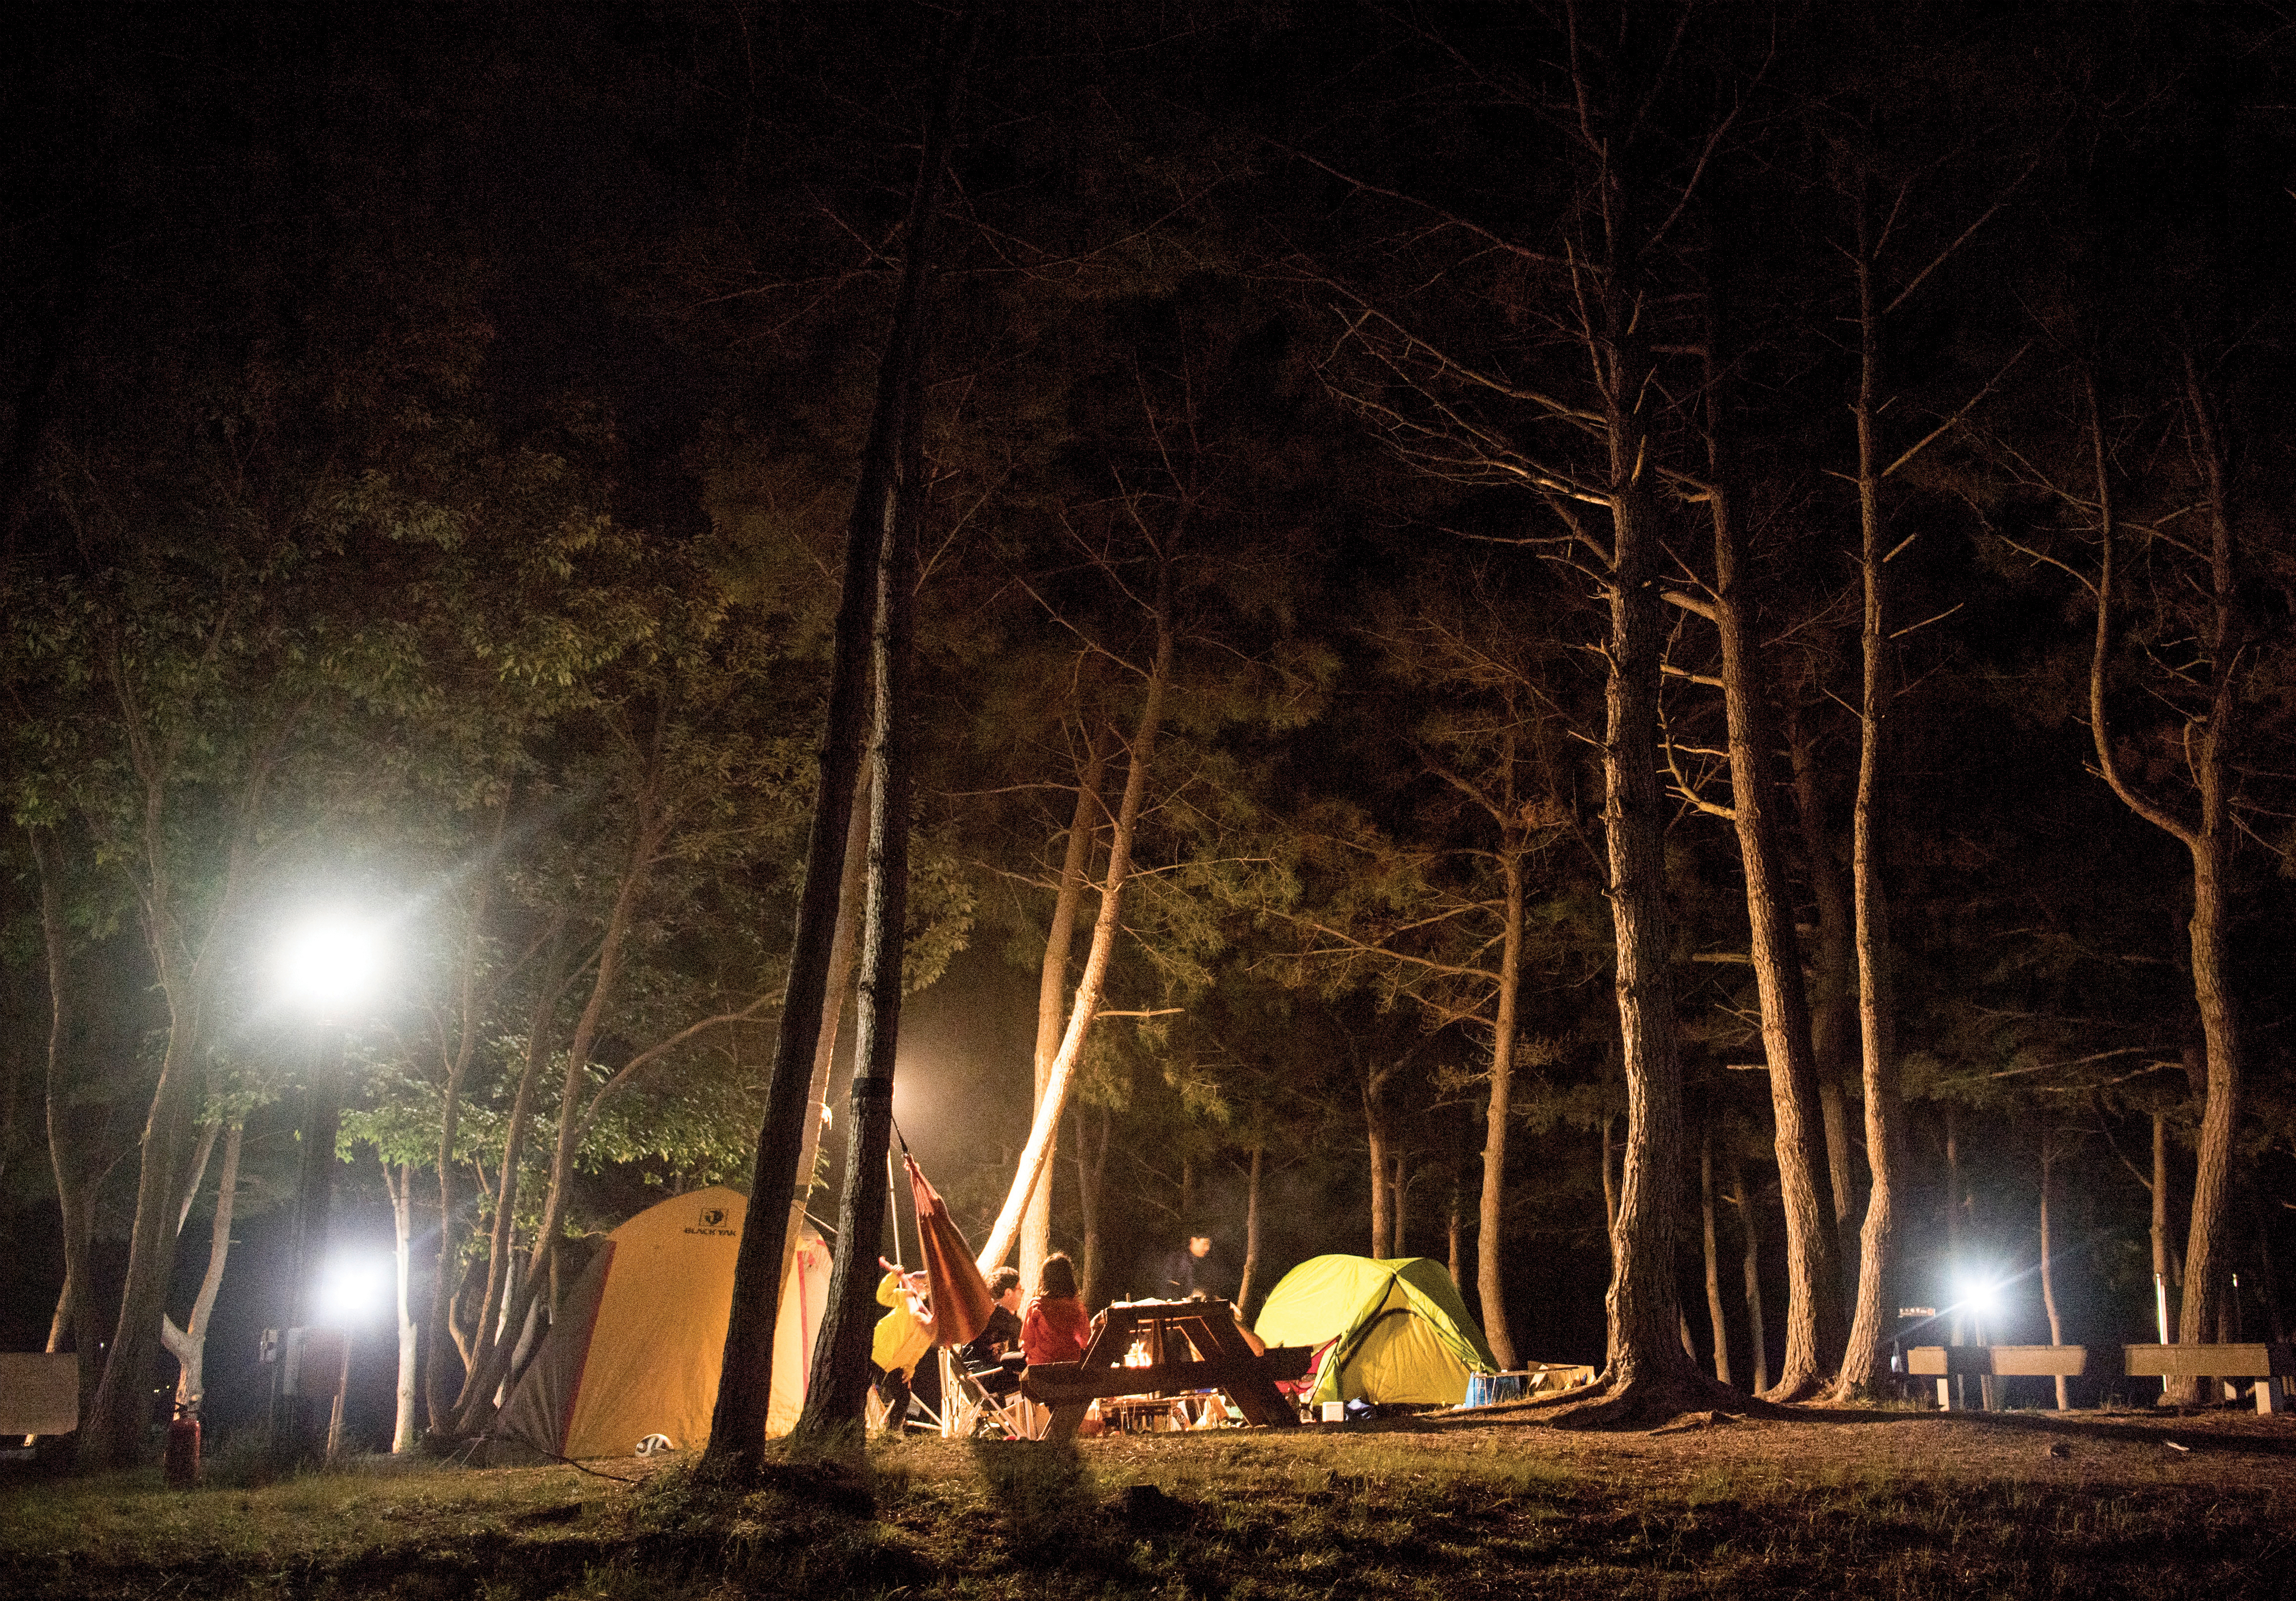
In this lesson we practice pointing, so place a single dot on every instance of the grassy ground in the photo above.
(1897, 1505)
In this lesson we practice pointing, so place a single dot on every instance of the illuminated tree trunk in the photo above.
(188, 1344)
(1833, 1008)
(1713, 1261)
(1815, 1330)
(843, 949)
(1052, 988)
(2048, 1274)
(738, 1425)
(1085, 1004)
(1490, 1236)
(838, 1383)
(2208, 836)
(1382, 1213)
(1877, 1264)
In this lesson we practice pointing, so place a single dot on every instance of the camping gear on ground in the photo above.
(637, 1350)
(1540, 1378)
(1397, 1331)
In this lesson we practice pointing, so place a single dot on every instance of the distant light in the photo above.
(330, 964)
(1981, 1295)
(355, 1290)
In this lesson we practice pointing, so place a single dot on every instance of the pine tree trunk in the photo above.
(1453, 1229)
(1092, 1167)
(1956, 1258)
(2163, 1274)
(738, 1425)
(1398, 1189)
(1757, 1337)
(838, 1383)
(1713, 1261)
(844, 947)
(1085, 1004)
(2048, 1276)
(1382, 1213)
(2208, 837)
(1250, 1234)
(1815, 1330)
(1052, 991)
(1490, 1228)
(1609, 1182)
(1833, 1008)
(1877, 1265)
(1643, 1316)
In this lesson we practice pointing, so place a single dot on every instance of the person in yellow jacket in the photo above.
(902, 1336)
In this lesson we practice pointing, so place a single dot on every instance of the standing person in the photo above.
(903, 1335)
(1190, 1271)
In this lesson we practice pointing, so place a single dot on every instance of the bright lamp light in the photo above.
(330, 963)
(1979, 1295)
(354, 1289)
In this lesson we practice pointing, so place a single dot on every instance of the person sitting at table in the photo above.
(1055, 1329)
(903, 1335)
(982, 1357)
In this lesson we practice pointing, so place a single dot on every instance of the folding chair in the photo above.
(988, 1400)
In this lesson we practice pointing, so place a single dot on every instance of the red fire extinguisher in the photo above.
(182, 1461)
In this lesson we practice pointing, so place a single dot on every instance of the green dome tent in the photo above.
(1397, 1329)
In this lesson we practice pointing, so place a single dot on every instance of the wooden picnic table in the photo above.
(1190, 1345)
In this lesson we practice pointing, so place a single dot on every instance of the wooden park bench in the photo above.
(1189, 1345)
(1948, 1362)
(2264, 1362)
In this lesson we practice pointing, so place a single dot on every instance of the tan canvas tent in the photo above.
(636, 1349)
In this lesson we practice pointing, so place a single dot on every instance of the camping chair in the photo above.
(987, 1399)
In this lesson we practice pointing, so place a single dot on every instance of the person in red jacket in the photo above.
(1055, 1328)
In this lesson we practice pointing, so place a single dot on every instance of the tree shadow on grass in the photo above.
(1047, 1502)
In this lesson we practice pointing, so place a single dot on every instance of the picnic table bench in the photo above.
(1189, 1345)
(2266, 1362)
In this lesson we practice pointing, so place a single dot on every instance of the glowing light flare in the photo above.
(1980, 1293)
(355, 1289)
(330, 964)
